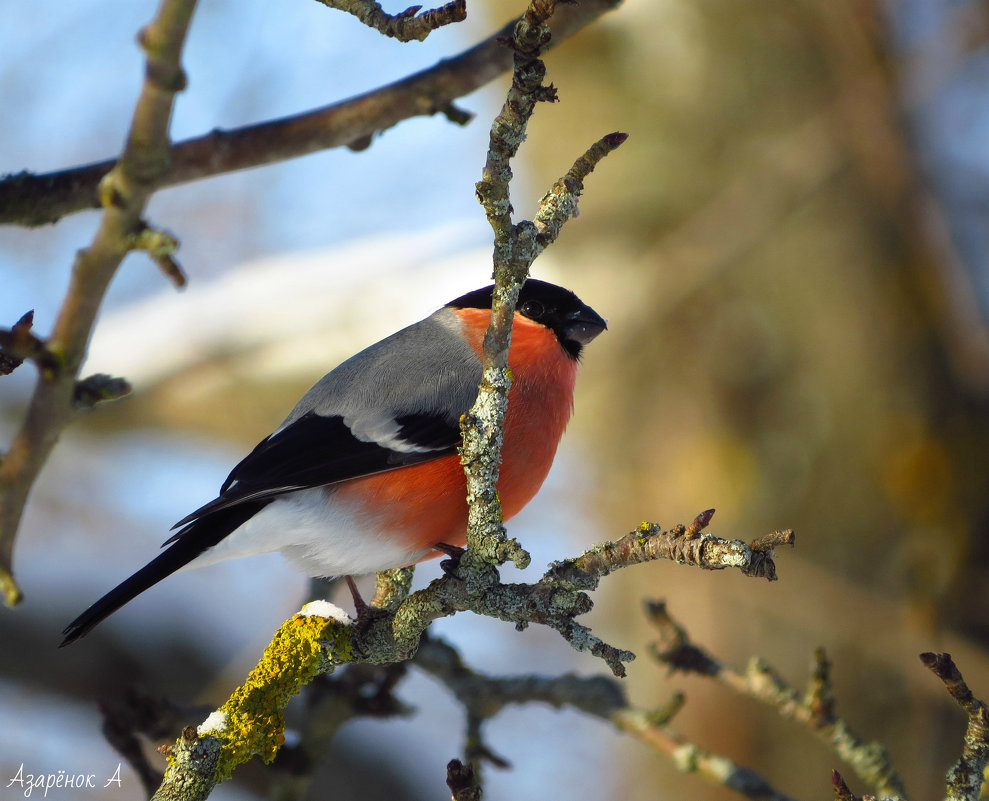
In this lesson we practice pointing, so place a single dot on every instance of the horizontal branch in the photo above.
(484, 697)
(31, 200)
(317, 639)
(686, 545)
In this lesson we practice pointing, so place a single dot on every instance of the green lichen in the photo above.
(301, 649)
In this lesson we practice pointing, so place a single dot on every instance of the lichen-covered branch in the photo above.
(556, 599)
(485, 696)
(251, 722)
(30, 199)
(320, 637)
(483, 426)
(516, 246)
(409, 25)
(682, 544)
(529, 36)
(560, 203)
(130, 716)
(124, 192)
(392, 587)
(966, 777)
(815, 709)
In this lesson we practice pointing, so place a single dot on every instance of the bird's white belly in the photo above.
(318, 535)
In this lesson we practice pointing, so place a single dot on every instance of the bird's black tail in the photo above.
(196, 538)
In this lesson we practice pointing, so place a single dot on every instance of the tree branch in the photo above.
(124, 192)
(483, 697)
(32, 200)
(815, 710)
(690, 758)
(320, 638)
(18, 345)
(516, 246)
(406, 26)
(967, 776)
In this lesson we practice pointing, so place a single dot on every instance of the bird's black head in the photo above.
(574, 323)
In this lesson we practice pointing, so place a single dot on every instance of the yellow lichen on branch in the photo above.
(255, 711)
(252, 721)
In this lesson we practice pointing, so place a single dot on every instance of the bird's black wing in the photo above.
(316, 450)
(312, 451)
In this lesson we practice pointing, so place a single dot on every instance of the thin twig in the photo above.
(409, 25)
(19, 344)
(691, 758)
(841, 790)
(815, 710)
(681, 544)
(967, 776)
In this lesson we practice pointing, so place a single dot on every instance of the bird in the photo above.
(364, 474)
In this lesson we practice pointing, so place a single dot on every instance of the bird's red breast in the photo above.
(426, 504)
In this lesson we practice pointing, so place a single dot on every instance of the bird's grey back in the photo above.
(426, 367)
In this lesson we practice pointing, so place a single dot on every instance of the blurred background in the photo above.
(793, 256)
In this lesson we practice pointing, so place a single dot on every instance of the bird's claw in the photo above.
(452, 565)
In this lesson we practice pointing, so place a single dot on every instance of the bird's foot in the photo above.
(451, 565)
(366, 615)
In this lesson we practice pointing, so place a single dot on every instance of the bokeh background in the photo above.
(792, 252)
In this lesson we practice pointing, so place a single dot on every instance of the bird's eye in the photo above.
(533, 309)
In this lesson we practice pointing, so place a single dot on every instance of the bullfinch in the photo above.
(364, 474)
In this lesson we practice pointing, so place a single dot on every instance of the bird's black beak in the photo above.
(583, 325)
